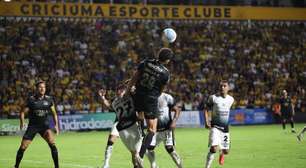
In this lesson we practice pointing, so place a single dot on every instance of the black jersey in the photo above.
(125, 112)
(286, 105)
(39, 109)
(152, 77)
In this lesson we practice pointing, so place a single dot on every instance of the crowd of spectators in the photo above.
(77, 58)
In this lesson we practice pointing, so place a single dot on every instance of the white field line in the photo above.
(44, 163)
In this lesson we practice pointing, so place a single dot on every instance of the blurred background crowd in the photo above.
(77, 58)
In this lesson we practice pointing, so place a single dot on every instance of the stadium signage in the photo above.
(86, 121)
(124, 11)
(251, 116)
(119, 11)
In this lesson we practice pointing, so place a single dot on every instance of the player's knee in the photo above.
(133, 153)
(169, 148)
(112, 138)
(151, 147)
(151, 130)
(213, 150)
(24, 146)
(225, 151)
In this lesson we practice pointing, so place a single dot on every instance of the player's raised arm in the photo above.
(132, 82)
(21, 117)
(55, 119)
(105, 102)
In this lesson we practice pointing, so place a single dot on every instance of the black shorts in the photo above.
(33, 130)
(287, 115)
(148, 105)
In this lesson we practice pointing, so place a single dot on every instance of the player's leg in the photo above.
(113, 136)
(292, 124)
(301, 134)
(26, 141)
(284, 123)
(23, 146)
(150, 151)
(174, 155)
(131, 137)
(134, 161)
(151, 130)
(49, 138)
(214, 141)
(151, 156)
(225, 144)
(169, 142)
(210, 156)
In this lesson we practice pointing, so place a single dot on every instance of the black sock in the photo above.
(292, 124)
(146, 143)
(54, 154)
(284, 125)
(110, 143)
(19, 157)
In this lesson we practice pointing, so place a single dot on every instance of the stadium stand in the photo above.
(76, 58)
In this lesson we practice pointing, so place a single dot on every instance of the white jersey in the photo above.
(165, 103)
(220, 111)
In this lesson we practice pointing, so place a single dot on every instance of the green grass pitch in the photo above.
(251, 147)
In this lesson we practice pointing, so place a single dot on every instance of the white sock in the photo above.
(107, 155)
(209, 159)
(151, 157)
(176, 158)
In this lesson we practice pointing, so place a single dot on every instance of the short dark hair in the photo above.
(165, 54)
(224, 81)
(39, 82)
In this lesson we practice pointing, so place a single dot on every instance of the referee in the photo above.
(38, 107)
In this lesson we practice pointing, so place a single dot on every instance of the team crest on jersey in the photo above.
(45, 103)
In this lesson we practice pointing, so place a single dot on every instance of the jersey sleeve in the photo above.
(171, 101)
(209, 103)
(166, 78)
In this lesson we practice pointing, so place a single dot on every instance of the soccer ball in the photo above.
(169, 35)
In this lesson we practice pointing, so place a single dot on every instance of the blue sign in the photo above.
(250, 116)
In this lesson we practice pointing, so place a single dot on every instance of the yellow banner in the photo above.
(149, 11)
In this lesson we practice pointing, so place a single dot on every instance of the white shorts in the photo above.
(219, 138)
(131, 137)
(165, 136)
(114, 130)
